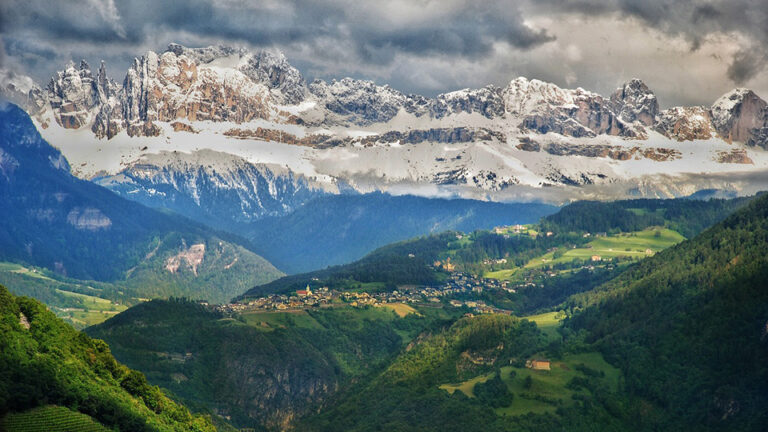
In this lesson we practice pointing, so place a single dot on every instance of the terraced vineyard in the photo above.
(50, 418)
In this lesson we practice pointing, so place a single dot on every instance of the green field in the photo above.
(401, 309)
(468, 386)
(637, 244)
(50, 418)
(548, 322)
(506, 274)
(548, 389)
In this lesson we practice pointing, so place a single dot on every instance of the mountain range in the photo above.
(285, 140)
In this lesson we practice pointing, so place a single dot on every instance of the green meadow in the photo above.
(546, 390)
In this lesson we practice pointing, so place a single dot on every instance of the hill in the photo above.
(692, 319)
(686, 216)
(80, 230)
(338, 229)
(559, 243)
(44, 361)
(683, 333)
(262, 369)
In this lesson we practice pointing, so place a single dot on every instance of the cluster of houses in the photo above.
(518, 229)
(457, 283)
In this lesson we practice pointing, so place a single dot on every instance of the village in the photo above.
(458, 284)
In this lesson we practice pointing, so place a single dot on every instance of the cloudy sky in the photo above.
(688, 51)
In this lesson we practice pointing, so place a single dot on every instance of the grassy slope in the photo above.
(632, 244)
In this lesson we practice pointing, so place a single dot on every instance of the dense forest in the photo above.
(692, 319)
(686, 329)
(686, 216)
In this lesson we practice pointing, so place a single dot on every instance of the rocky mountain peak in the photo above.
(359, 101)
(72, 94)
(634, 101)
(523, 96)
(273, 70)
(741, 115)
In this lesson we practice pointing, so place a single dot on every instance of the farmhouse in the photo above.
(596, 258)
(538, 364)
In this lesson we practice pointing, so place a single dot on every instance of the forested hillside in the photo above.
(262, 369)
(411, 261)
(692, 319)
(80, 230)
(44, 361)
(686, 216)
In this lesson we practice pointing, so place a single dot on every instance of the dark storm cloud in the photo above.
(423, 46)
(465, 31)
(745, 65)
(691, 19)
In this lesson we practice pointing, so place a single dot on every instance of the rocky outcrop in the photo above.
(601, 151)
(741, 116)
(190, 258)
(685, 123)
(438, 135)
(73, 94)
(88, 219)
(634, 101)
(737, 156)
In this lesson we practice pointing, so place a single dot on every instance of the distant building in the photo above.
(304, 292)
(537, 364)
(596, 258)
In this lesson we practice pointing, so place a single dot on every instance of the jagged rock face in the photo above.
(363, 102)
(171, 86)
(275, 71)
(22, 90)
(439, 135)
(264, 67)
(546, 107)
(741, 116)
(685, 123)
(634, 101)
(487, 101)
(72, 94)
(358, 101)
